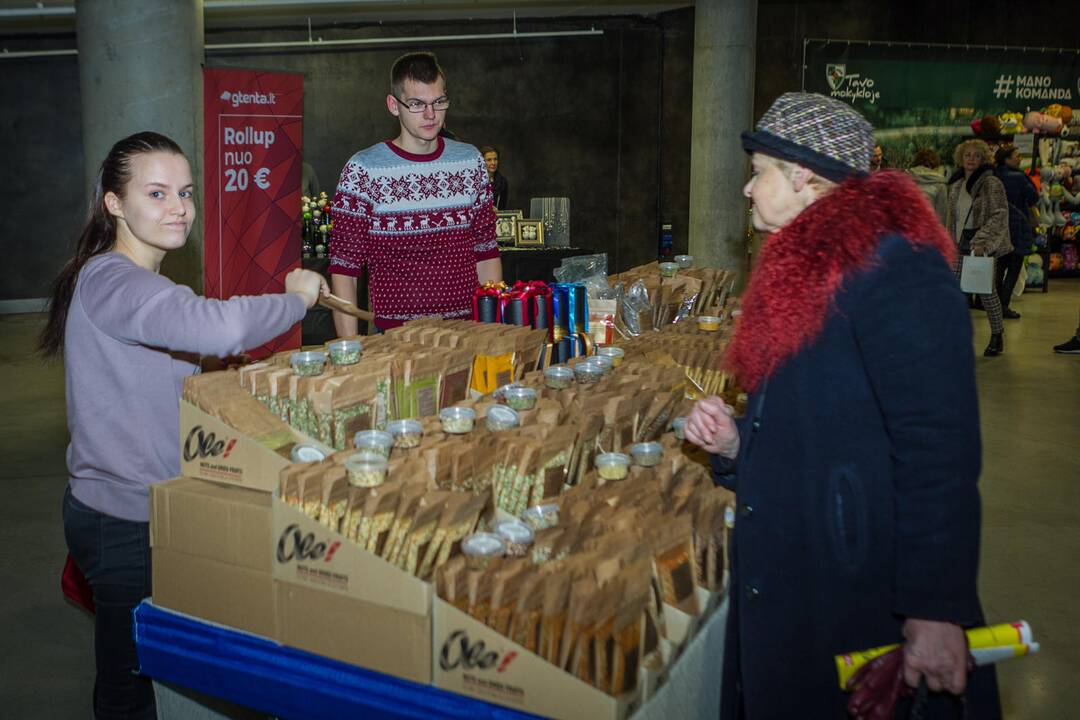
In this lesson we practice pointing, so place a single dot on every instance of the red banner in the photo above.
(253, 133)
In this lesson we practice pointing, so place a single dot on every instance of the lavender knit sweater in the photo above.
(132, 336)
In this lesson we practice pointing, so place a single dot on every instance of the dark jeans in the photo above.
(114, 555)
(1007, 271)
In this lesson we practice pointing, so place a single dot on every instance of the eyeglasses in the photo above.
(418, 106)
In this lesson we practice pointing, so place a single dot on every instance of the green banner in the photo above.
(927, 96)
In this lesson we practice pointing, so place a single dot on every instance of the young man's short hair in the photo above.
(926, 158)
(421, 67)
(489, 149)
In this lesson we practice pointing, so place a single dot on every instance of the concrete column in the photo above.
(725, 33)
(140, 69)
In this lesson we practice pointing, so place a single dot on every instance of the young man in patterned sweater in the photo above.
(416, 211)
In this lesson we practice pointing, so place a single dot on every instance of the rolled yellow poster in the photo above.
(993, 636)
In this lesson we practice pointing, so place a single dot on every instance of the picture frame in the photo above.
(506, 226)
(530, 233)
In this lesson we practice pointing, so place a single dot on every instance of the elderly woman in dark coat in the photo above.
(856, 465)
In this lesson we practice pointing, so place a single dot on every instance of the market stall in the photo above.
(505, 510)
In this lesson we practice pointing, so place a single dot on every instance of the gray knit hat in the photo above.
(817, 132)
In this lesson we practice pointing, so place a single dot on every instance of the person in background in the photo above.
(129, 337)
(415, 211)
(877, 159)
(858, 512)
(499, 185)
(1070, 346)
(309, 182)
(978, 219)
(1021, 195)
(927, 173)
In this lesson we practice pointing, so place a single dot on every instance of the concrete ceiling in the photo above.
(21, 17)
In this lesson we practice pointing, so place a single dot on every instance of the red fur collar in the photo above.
(801, 268)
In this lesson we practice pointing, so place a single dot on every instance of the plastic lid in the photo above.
(373, 438)
(397, 427)
(588, 368)
(601, 361)
(539, 512)
(502, 415)
(514, 531)
(708, 319)
(520, 392)
(610, 351)
(559, 371)
(366, 462)
(307, 453)
(646, 448)
(483, 545)
(307, 356)
(501, 392)
(457, 413)
(679, 422)
(612, 458)
(669, 266)
(345, 346)
(683, 258)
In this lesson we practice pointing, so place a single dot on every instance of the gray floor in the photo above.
(1030, 400)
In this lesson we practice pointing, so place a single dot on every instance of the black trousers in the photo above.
(114, 555)
(1007, 272)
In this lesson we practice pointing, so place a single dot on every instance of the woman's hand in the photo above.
(711, 426)
(937, 651)
(308, 285)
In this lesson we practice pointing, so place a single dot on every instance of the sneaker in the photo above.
(1010, 314)
(1072, 347)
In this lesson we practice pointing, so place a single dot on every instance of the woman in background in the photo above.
(978, 220)
(129, 337)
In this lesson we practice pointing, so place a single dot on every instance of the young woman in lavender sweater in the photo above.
(129, 337)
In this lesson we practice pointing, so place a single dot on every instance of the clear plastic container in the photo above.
(345, 352)
(306, 454)
(647, 454)
(588, 373)
(457, 420)
(678, 426)
(308, 363)
(612, 353)
(605, 364)
(480, 548)
(500, 394)
(366, 469)
(500, 417)
(612, 466)
(520, 398)
(375, 441)
(406, 433)
(684, 261)
(517, 536)
(708, 323)
(559, 377)
(668, 269)
(541, 517)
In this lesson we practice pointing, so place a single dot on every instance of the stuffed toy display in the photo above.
(1042, 124)
(1011, 123)
(1033, 264)
(1056, 261)
(1069, 255)
(1063, 113)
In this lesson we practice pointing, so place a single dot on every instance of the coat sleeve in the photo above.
(914, 336)
(993, 233)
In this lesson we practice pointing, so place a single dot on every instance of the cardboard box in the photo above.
(472, 659)
(209, 553)
(338, 600)
(212, 450)
(245, 559)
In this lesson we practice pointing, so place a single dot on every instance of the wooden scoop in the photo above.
(333, 302)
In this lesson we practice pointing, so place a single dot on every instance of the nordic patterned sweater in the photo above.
(419, 223)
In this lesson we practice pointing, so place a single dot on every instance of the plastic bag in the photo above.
(635, 305)
(577, 269)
